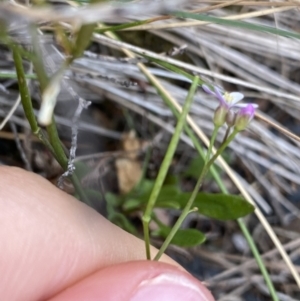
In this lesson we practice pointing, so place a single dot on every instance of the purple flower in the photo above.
(244, 116)
(228, 100)
(229, 105)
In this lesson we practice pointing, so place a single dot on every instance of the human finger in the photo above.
(51, 240)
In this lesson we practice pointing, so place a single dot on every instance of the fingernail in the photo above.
(171, 286)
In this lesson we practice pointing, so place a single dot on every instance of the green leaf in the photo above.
(196, 165)
(112, 199)
(131, 204)
(144, 187)
(135, 204)
(219, 206)
(238, 24)
(115, 217)
(194, 168)
(171, 204)
(139, 197)
(167, 197)
(215, 205)
(183, 237)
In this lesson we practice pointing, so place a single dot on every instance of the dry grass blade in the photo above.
(201, 23)
(87, 15)
(117, 44)
(278, 127)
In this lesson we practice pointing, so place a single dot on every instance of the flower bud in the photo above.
(220, 115)
(244, 116)
(230, 118)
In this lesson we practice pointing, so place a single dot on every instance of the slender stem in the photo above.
(121, 26)
(63, 160)
(6, 40)
(145, 166)
(83, 38)
(24, 92)
(44, 81)
(183, 215)
(166, 163)
(212, 142)
(258, 259)
(240, 221)
(220, 150)
(26, 100)
(14, 75)
(216, 174)
(226, 134)
(190, 202)
(27, 103)
(54, 145)
(38, 62)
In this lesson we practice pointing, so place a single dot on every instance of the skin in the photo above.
(55, 247)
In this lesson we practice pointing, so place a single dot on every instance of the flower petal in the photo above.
(247, 111)
(244, 116)
(244, 105)
(221, 98)
(236, 97)
(208, 90)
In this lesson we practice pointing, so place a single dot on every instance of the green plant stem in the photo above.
(226, 133)
(220, 150)
(215, 174)
(6, 40)
(63, 160)
(38, 62)
(83, 38)
(173, 68)
(258, 259)
(51, 129)
(26, 100)
(240, 221)
(211, 144)
(249, 239)
(23, 89)
(14, 75)
(166, 163)
(122, 26)
(54, 145)
(190, 202)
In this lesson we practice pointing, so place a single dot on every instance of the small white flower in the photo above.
(227, 100)
(237, 114)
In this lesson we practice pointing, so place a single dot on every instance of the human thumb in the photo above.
(137, 281)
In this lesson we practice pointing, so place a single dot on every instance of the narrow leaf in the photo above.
(183, 237)
(239, 24)
(219, 206)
